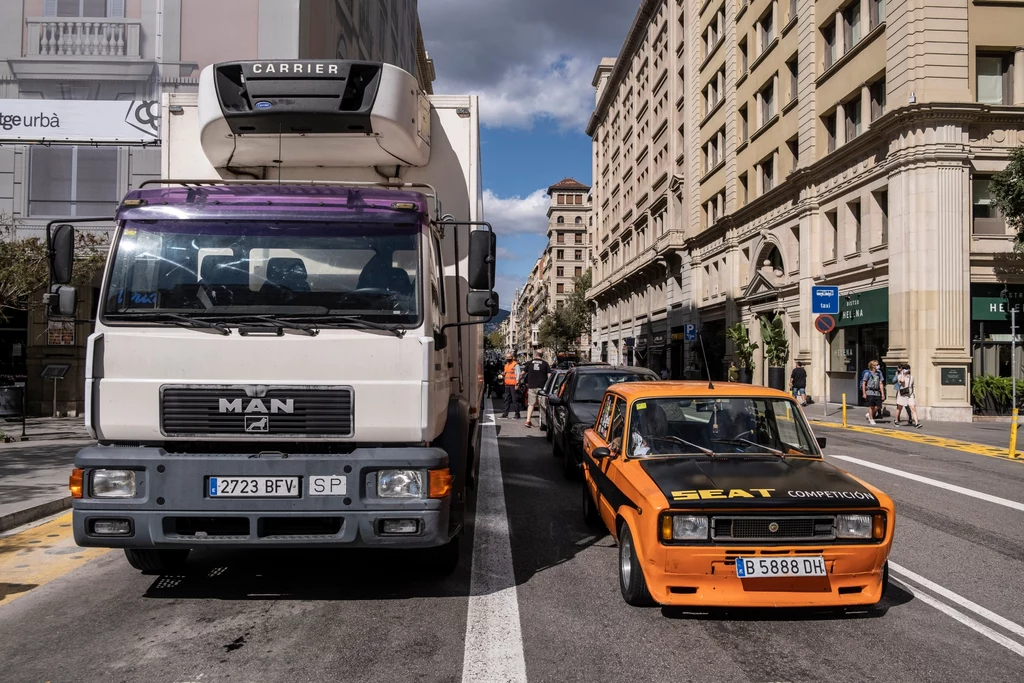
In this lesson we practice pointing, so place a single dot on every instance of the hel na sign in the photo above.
(79, 120)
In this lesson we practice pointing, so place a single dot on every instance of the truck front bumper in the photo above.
(172, 507)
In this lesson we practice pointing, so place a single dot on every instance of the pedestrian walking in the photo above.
(511, 374)
(904, 387)
(798, 383)
(872, 388)
(537, 371)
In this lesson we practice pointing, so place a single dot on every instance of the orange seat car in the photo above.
(720, 497)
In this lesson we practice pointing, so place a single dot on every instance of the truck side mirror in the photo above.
(482, 304)
(62, 254)
(61, 302)
(482, 249)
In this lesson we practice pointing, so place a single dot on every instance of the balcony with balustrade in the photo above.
(86, 47)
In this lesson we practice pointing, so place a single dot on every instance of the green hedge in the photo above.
(997, 390)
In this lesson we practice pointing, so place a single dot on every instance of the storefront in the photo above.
(991, 333)
(656, 355)
(677, 353)
(861, 335)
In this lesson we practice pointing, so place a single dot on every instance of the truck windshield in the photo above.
(221, 269)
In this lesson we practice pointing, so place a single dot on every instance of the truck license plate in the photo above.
(253, 487)
(762, 567)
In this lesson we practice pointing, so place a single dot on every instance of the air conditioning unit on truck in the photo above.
(288, 349)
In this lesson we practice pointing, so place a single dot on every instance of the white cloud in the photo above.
(510, 215)
(505, 286)
(504, 254)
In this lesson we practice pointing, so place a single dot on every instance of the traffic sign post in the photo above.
(825, 323)
(825, 300)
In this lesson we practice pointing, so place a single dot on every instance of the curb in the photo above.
(34, 513)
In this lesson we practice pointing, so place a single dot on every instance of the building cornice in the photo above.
(635, 37)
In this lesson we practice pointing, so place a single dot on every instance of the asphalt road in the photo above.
(535, 597)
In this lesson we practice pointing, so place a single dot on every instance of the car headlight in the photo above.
(400, 484)
(853, 526)
(684, 528)
(113, 484)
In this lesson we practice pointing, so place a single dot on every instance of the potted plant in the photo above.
(992, 395)
(776, 350)
(743, 351)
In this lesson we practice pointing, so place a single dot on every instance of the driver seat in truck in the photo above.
(378, 273)
(286, 274)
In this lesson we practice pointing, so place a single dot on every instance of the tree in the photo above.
(496, 340)
(24, 267)
(560, 329)
(1007, 188)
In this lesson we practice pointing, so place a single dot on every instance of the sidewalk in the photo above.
(34, 473)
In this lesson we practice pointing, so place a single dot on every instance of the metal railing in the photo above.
(83, 37)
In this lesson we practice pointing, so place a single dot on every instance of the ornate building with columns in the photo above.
(845, 143)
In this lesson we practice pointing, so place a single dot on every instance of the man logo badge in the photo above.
(257, 423)
(773, 527)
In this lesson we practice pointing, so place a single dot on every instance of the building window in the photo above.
(767, 174)
(851, 25)
(877, 12)
(744, 126)
(766, 28)
(853, 118)
(560, 254)
(744, 192)
(561, 238)
(882, 203)
(743, 55)
(854, 208)
(560, 271)
(828, 37)
(877, 99)
(73, 181)
(579, 220)
(793, 144)
(83, 8)
(579, 238)
(794, 83)
(561, 199)
(831, 240)
(987, 220)
(767, 97)
(579, 255)
(578, 271)
(830, 131)
(560, 220)
(995, 78)
(792, 9)
(560, 288)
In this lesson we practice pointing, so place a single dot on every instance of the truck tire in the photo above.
(443, 559)
(149, 561)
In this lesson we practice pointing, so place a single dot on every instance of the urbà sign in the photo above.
(79, 121)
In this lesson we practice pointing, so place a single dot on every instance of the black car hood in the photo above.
(584, 412)
(736, 481)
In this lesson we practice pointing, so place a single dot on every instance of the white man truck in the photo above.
(288, 348)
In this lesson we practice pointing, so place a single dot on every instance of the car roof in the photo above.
(693, 389)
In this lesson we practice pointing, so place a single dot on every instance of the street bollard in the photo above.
(1013, 434)
(844, 410)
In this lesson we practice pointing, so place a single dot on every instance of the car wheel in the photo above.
(149, 561)
(570, 468)
(556, 447)
(550, 428)
(631, 576)
(590, 514)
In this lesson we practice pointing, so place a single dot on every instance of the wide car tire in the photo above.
(631, 576)
(591, 517)
(150, 561)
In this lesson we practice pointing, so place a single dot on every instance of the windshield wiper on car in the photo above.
(173, 318)
(748, 442)
(343, 321)
(706, 451)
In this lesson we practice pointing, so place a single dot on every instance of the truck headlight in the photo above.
(112, 483)
(853, 526)
(684, 528)
(399, 484)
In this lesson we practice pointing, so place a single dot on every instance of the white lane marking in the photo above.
(935, 482)
(1010, 626)
(989, 633)
(494, 640)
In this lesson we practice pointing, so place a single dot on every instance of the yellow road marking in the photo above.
(36, 556)
(938, 441)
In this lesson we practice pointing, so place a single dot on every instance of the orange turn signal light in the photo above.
(75, 482)
(878, 527)
(440, 483)
(666, 528)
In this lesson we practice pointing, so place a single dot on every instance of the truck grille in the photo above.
(743, 529)
(245, 411)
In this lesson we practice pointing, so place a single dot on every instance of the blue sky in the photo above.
(532, 63)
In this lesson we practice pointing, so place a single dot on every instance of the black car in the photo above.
(552, 386)
(573, 409)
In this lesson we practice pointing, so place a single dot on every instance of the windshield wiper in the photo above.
(343, 321)
(173, 318)
(270, 321)
(773, 451)
(706, 451)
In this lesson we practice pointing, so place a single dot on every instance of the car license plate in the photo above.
(253, 487)
(771, 567)
(328, 485)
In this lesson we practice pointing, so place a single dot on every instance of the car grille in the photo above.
(277, 411)
(748, 528)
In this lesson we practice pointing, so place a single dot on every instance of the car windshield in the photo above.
(669, 426)
(224, 269)
(591, 385)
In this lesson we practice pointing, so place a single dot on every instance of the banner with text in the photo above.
(79, 121)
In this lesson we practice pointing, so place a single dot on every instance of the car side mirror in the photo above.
(482, 304)
(62, 254)
(542, 393)
(821, 441)
(555, 400)
(61, 302)
(482, 250)
(600, 453)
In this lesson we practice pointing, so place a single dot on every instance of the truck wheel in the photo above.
(443, 559)
(590, 514)
(150, 561)
(631, 576)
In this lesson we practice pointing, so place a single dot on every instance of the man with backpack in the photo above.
(873, 390)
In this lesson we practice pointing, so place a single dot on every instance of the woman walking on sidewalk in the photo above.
(904, 386)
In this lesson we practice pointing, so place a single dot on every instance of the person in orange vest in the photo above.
(511, 377)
